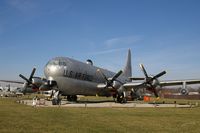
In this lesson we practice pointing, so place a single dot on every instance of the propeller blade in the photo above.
(116, 75)
(143, 70)
(159, 75)
(153, 89)
(23, 77)
(149, 79)
(32, 73)
(109, 82)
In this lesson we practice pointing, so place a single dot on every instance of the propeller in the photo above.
(149, 80)
(29, 81)
(109, 81)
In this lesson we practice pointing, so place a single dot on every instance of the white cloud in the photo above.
(122, 40)
(39, 8)
(22, 5)
(108, 51)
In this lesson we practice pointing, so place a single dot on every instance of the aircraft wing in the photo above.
(139, 85)
(10, 81)
(178, 82)
(134, 85)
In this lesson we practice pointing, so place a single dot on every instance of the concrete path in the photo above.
(45, 103)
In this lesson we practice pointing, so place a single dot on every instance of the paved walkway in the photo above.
(45, 103)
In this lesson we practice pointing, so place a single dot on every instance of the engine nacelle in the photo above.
(116, 84)
(156, 82)
(37, 81)
(184, 91)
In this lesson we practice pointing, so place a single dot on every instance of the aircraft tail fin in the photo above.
(127, 72)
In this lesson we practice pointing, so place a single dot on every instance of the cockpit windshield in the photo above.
(53, 62)
(58, 62)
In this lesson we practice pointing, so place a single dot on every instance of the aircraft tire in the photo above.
(54, 101)
(72, 98)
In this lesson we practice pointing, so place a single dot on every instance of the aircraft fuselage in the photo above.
(77, 78)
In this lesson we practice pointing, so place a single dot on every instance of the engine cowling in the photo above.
(37, 81)
(184, 91)
(155, 82)
(116, 84)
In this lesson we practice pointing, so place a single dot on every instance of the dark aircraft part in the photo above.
(72, 98)
(51, 83)
(56, 101)
(48, 85)
(136, 78)
(89, 62)
(184, 91)
(151, 82)
(110, 81)
(121, 97)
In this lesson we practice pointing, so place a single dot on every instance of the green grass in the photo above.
(18, 118)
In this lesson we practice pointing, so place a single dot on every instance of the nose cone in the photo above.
(51, 68)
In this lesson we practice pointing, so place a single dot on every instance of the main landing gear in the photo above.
(121, 98)
(72, 98)
(56, 98)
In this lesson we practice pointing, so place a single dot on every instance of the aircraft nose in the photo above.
(50, 68)
(55, 67)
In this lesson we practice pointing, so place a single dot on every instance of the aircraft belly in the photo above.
(69, 86)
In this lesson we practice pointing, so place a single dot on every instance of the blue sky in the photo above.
(162, 34)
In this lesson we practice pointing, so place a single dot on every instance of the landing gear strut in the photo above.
(56, 100)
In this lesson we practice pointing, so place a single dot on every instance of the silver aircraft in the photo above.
(70, 78)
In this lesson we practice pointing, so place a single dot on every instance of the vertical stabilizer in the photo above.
(128, 67)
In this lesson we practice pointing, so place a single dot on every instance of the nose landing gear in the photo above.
(56, 98)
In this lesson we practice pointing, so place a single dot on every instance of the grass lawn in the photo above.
(18, 118)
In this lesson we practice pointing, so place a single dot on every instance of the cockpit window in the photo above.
(62, 63)
(53, 62)
(58, 62)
